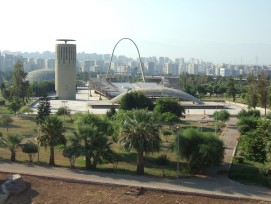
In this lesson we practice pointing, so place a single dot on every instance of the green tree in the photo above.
(169, 118)
(92, 137)
(52, 130)
(111, 112)
(140, 131)
(11, 142)
(5, 121)
(64, 110)
(166, 133)
(20, 87)
(200, 150)
(263, 91)
(72, 152)
(253, 143)
(26, 109)
(223, 116)
(247, 124)
(135, 100)
(44, 110)
(252, 95)
(170, 105)
(231, 90)
(249, 113)
(268, 150)
(31, 149)
(15, 105)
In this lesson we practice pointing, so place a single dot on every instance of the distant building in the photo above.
(65, 76)
(49, 64)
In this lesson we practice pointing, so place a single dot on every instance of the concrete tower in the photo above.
(65, 74)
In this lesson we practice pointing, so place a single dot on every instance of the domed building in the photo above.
(41, 75)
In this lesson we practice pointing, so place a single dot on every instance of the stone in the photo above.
(15, 184)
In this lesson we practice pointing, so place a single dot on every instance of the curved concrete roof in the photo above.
(161, 92)
(41, 75)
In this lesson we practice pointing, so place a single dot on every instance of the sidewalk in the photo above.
(221, 186)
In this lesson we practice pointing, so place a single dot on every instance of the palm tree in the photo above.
(52, 130)
(11, 142)
(91, 136)
(94, 145)
(140, 131)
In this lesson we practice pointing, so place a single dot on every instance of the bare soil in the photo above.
(50, 191)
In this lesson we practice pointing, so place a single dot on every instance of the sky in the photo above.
(219, 31)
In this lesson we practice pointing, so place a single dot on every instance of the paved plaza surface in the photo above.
(83, 104)
(213, 183)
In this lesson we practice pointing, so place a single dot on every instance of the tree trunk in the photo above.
(13, 156)
(88, 163)
(140, 163)
(52, 155)
(94, 164)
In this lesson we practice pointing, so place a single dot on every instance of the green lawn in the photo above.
(27, 127)
(249, 173)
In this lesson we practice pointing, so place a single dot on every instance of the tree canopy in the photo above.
(44, 110)
(91, 137)
(52, 129)
(170, 105)
(135, 100)
(201, 150)
(140, 131)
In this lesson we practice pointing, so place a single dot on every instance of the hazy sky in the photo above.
(230, 31)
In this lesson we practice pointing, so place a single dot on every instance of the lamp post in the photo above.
(64, 105)
(202, 122)
(178, 151)
(100, 87)
(215, 118)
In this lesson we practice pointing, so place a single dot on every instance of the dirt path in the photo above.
(54, 191)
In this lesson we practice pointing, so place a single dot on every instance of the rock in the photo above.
(3, 197)
(135, 191)
(15, 184)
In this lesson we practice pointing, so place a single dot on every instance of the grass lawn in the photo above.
(4, 110)
(28, 128)
(249, 173)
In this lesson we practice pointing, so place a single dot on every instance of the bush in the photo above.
(240, 159)
(162, 160)
(249, 113)
(111, 112)
(31, 149)
(199, 149)
(135, 100)
(72, 152)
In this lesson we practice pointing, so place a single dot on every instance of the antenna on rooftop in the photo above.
(65, 40)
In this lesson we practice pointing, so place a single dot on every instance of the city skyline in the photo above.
(234, 32)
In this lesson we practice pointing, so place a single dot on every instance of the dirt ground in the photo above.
(50, 191)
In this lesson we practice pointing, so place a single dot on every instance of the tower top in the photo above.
(65, 40)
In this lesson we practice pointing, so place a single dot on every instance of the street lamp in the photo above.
(202, 122)
(100, 87)
(64, 105)
(178, 151)
(215, 118)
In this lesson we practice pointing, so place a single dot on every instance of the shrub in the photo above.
(249, 113)
(72, 152)
(199, 149)
(240, 159)
(31, 149)
(162, 160)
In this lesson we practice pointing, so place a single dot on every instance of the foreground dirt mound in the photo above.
(44, 190)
